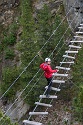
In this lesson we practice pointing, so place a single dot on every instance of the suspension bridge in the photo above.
(69, 59)
(58, 78)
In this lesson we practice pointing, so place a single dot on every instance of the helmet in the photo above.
(47, 59)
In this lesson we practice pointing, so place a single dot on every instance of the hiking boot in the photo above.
(47, 95)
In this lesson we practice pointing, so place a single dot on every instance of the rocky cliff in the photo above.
(76, 9)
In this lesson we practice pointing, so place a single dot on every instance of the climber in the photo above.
(48, 73)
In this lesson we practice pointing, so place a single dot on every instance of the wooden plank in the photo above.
(67, 62)
(79, 32)
(53, 88)
(58, 81)
(50, 96)
(31, 122)
(76, 41)
(66, 56)
(71, 51)
(78, 37)
(57, 74)
(80, 27)
(38, 113)
(43, 104)
(81, 24)
(63, 68)
(77, 47)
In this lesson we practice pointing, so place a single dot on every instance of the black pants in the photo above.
(49, 80)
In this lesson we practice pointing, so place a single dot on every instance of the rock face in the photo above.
(74, 12)
(7, 4)
(15, 110)
(6, 10)
(20, 110)
(3, 2)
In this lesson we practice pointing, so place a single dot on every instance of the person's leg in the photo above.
(49, 85)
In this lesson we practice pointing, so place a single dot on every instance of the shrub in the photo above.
(6, 120)
(9, 54)
(8, 77)
(78, 80)
(9, 40)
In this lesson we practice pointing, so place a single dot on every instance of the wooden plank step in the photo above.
(66, 56)
(63, 68)
(50, 96)
(53, 88)
(38, 113)
(80, 27)
(57, 74)
(76, 41)
(79, 32)
(77, 47)
(71, 51)
(78, 37)
(43, 104)
(58, 81)
(67, 62)
(81, 24)
(31, 122)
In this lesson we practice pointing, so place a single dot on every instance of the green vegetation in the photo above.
(6, 120)
(34, 35)
(29, 45)
(10, 35)
(9, 75)
(9, 40)
(49, 123)
(46, 25)
(78, 81)
(9, 54)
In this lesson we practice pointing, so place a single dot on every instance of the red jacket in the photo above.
(48, 72)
